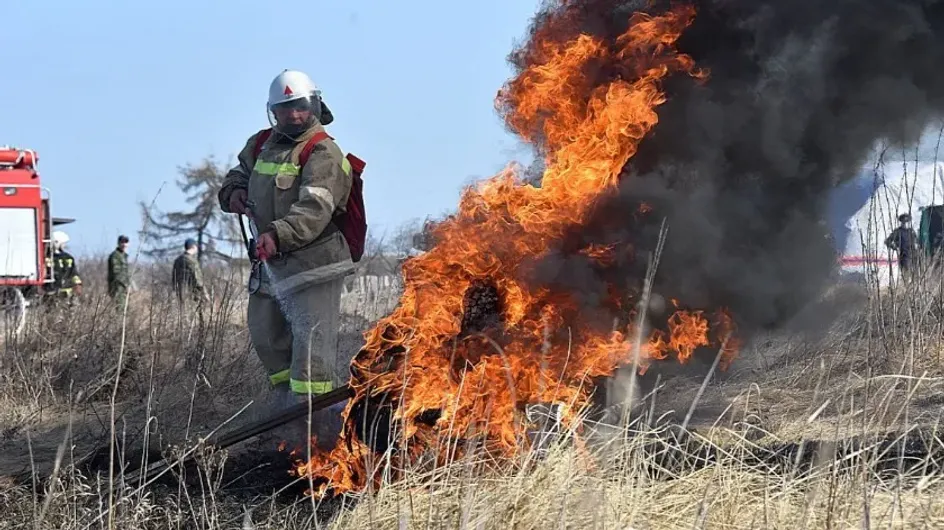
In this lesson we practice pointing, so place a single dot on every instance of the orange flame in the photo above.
(544, 349)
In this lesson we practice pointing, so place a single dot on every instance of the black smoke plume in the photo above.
(739, 167)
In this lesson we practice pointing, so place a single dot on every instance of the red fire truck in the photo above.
(26, 226)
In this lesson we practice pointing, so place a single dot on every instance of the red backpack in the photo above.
(353, 222)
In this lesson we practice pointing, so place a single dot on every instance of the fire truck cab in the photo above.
(26, 227)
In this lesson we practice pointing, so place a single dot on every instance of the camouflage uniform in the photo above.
(119, 277)
(293, 316)
(187, 278)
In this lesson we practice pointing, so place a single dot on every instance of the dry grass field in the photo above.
(830, 422)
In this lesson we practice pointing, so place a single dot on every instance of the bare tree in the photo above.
(203, 220)
(403, 238)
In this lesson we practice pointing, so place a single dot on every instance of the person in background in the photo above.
(904, 241)
(66, 282)
(187, 276)
(119, 276)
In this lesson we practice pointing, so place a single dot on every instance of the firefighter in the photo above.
(904, 240)
(187, 276)
(66, 280)
(295, 297)
(119, 277)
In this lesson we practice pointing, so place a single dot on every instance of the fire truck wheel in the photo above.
(13, 305)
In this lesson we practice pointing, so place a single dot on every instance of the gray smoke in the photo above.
(740, 167)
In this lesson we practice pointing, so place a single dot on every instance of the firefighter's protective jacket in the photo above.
(187, 276)
(297, 205)
(65, 273)
(119, 277)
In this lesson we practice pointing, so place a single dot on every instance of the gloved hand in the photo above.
(77, 290)
(266, 246)
(237, 201)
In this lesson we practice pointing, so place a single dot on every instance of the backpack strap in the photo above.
(305, 153)
(310, 145)
(260, 140)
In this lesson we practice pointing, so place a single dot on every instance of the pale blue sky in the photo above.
(115, 95)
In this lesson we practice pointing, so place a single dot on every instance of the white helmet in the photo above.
(293, 89)
(60, 238)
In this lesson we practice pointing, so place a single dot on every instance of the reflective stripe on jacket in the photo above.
(297, 204)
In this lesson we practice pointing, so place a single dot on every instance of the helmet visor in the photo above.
(294, 116)
(302, 104)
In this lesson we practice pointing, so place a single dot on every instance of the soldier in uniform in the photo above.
(904, 240)
(187, 276)
(119, 276)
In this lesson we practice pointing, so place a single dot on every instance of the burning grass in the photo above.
(876, 370)
(563, 488)
(475, 339)
(476, 345)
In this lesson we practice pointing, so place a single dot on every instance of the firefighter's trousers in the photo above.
(296, 337)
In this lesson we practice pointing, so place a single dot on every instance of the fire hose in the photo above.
(246, 432)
